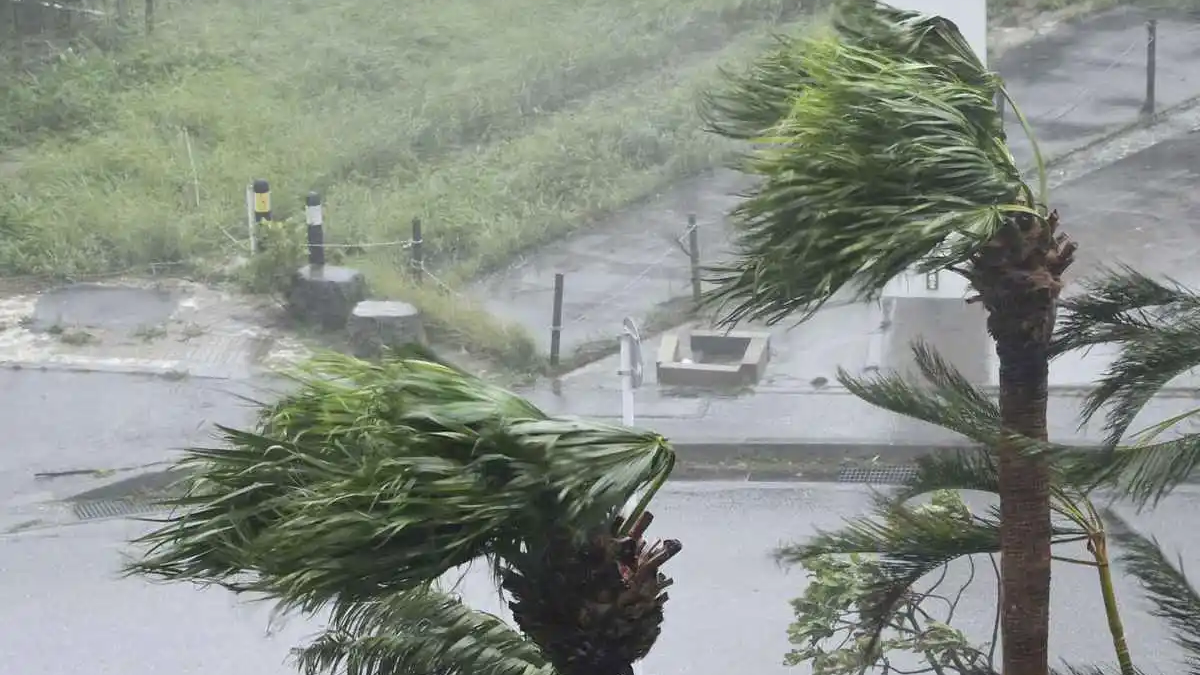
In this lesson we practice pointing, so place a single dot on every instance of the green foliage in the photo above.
(421, 631)
(1174, 598)
(499, 135)
(397, 119)
(864, 602)
(370, 480)
(280, 252)
(830, 636)
(1156, 326)
(891, 150)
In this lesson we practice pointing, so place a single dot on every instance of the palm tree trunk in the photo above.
(1024, 513)
(1018, 277)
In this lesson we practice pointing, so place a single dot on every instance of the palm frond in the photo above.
(372, 479)
(961, 470)
(1175, 599)
(749, 103)
(911, 542)
(1155, 324)
(423, 631)
(950, 401)
(1144, 473)
(892, 150)
(1117, 302)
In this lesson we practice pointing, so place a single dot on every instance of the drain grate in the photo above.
(92, 509)
(888, 475)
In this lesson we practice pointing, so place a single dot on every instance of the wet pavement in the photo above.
(1138, 210)
(1075, 83)
(63, 608)
(169, 327)
(67, 432)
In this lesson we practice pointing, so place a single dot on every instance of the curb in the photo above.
(773, 460)
(167, 370)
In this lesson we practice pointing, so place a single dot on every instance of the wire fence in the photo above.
(42, 20)
(1125, 66)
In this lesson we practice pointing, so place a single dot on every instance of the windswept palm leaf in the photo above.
(949, 401)
(752, 102)
(1156, 326)
(911, 542)
(1175, 599)
(961, 470)
(374, 479)
(1144, 472)
(423, 631)
(891, 150)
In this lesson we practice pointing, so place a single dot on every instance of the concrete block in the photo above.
(376, 324)
(707, 358)
(326, 295)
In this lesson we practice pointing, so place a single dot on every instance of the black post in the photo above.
(1151, 65)
(418, 256)
(694, 255)
(556, 321)
(316, 230)
(262, 209)
(149, 16)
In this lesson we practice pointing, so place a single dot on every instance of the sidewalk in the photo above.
(1079, 81)
(800, 416)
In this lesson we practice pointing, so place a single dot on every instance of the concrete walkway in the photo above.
(1075, 83)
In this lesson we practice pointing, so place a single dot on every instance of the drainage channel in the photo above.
(878, 475)
(93, 509)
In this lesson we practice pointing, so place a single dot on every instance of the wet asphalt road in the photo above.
(63, 609)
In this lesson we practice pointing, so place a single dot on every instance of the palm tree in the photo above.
(1156, 326)
(360, 489)
(879, 148)
(914, 541)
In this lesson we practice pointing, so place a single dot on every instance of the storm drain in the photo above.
(887, 475)
(113, 508)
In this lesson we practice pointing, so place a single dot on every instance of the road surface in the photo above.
(64, 611)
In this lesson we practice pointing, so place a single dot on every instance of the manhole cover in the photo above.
(100, 306)
(112, 508)
(889, 475)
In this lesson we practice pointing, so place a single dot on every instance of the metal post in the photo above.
(694, 255)
(630, 368)
(418, 255)
(556, 321)
(250, 218)
(1151, 65)
(149, 16)
(626, 373)
(315, 217)
(262, 210)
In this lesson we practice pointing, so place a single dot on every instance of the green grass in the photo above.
(502, 124)
(351, 98)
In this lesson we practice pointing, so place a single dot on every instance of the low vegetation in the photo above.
(498, 133)
(502, 125)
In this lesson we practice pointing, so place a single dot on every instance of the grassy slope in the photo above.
(480, 117)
